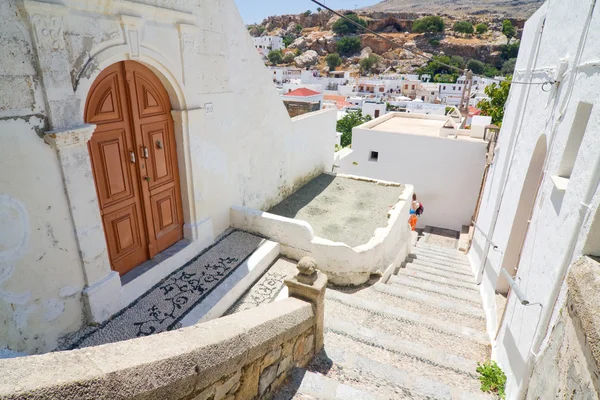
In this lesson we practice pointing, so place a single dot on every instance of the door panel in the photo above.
(134, 161)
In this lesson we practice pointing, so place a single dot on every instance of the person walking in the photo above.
(416, 209)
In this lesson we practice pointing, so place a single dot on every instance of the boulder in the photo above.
(366, 52)
(300, 44)
(307, 59)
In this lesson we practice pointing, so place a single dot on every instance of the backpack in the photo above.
(420, 210)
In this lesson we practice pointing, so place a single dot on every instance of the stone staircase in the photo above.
(418, 336)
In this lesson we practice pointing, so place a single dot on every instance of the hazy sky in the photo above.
(254, 11)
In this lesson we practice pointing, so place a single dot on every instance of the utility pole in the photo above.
(466, 94)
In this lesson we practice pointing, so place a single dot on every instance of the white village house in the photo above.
(267, 44)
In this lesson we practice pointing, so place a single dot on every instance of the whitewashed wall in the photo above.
(559, 224)
(53, 261)
(446, 173)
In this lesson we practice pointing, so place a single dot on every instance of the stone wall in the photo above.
(243, 356)
(570, 364)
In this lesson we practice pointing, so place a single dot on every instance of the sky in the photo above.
(254, 11)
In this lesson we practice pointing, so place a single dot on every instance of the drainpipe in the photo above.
(583, 214)
(516, 133)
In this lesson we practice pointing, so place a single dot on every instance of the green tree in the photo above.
(275, 57)
(491, 71)
(348, 45)
(289, 58)
(494, 107)
(287, 40)
(434, 42)
(509, 51)
(463, 27)
(368, 64)
(299, 28)
(476, 66)
(349, 121)
(344, 27)
(333, 60)
(307, 13)
(508, 29)
(428, 24)
(508, 68)
(445, 78)
(318, 9)
(481, 28)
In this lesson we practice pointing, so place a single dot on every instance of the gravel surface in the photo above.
(341, 209)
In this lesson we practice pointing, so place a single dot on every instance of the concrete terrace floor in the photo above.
(341, 209)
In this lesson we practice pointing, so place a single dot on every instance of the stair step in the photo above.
(438, 249)
(393, 353)
(446, 273)
(464, 262)
(461, 341)
(307, 385)
(431, 300)
(463, 295)
(465, 269)
(402, 384)
(449, 282)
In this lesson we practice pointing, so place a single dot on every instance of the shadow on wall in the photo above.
(293, 204)
(516, 361)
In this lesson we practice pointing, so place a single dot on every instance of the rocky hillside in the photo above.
(310, 37)
(522, 9)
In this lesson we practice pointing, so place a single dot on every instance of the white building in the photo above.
(374, 108)
(540, 209)
(123, 130)
(304, 95)
(444, 163)
(284, 74)
(267, 44)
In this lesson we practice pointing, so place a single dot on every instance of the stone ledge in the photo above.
(584, 299)
(170, 365)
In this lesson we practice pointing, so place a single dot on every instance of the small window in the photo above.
(374, 156)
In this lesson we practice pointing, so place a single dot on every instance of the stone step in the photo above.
(405, 355)
(445, 281)
(432, 270)
(464, 263)
(442, 263)
(469, 297)
(428, 299)
(459, 340)
(440, 250)
(441, 267)
(349, 366)
(307, 385)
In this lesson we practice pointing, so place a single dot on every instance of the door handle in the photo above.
(145, 151)
(132, 156)
(159, 144)
(147, 178)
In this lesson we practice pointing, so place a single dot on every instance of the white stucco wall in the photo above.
(243, 152)
(445, 172)
(559, 224)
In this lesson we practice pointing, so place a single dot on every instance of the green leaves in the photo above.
(275, 57)
(494, 107)
(349, 121)
(481, 28)
(344, 27)
(333, 60)
(428, 24)
(463, 27)
(493, 379)
(508, 29)
(348, 45)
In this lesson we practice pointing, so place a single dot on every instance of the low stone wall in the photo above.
(569, 366)
(242, 356)
(343, 265)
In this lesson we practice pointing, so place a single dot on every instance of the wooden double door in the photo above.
(134, 161)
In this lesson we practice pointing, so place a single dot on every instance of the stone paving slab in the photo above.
(267, 288)
(163, 307)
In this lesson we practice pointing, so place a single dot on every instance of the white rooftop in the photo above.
(414, 126)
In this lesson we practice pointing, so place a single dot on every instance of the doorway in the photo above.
(134, 163)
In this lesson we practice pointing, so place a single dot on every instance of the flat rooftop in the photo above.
(341, 209)
(414, 126)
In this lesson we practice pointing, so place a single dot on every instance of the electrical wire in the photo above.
(421, 54)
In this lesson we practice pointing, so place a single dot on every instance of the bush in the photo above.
(299, 28)
(508, 29)
(508, 68)
(333, 60)
(348, 45)
(463, 27)
(445, 78)
(434, 42)
(289, 58)
(494, 107)
(287, 40)
(476, 66)
(481, 28)
(275, 57)
(428, 24)
(493, 379)
(367, 64)
(349, 121)
(509, 51)
(307, 13)
(491, 71)
(343, 27)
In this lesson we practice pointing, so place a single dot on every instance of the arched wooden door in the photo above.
(134, 161)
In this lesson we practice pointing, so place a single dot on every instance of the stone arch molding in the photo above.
(69, 134)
